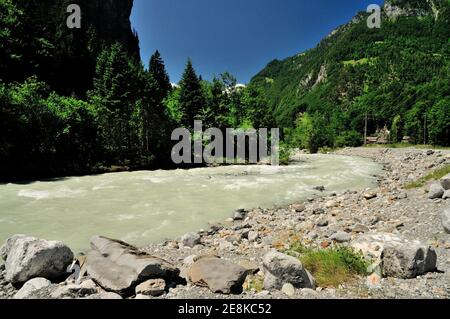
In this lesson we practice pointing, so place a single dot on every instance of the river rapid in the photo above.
(150, 206)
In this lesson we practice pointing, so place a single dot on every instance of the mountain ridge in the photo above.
(356, 71)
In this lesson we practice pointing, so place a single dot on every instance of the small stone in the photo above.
(191, 240)
(299, 208)
(253, 236)
(341, 237)
(288, 289)
(142, 297)
(359, 228)
(322, 223)
(152, 287)
(319, 188)
(370, 195)
(318, 211)
(374, 281)
(325, 244)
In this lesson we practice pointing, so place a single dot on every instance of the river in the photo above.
(150, 206)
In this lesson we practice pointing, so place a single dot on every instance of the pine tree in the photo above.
(157, 70)
(192, 100)
(116, 92)
(155, 119)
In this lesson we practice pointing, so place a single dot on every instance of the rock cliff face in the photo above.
(111, 21)
(57, 51)
(403, 8)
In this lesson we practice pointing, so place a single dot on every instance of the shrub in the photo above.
(350, 138)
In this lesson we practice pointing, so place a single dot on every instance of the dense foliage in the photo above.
(76, 101)
(396, 76)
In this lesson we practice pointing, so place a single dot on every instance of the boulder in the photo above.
(190, 240)
(152, 287)
(446, 220)
(397, 256)
(30, 287)
(219, 275)
(30, 257)
(436, 191)
(119, 267)
(280, 269)
(445, 182)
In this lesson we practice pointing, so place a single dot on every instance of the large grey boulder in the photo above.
(436, 191)
(280, 269)
(29, 257)
(445, 182)
(219, 275)
(446, 220)
(119, 267)
(30, 287)
(397, 256)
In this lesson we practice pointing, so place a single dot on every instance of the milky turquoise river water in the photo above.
(150, 206)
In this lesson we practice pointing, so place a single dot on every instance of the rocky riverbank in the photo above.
(400, 230)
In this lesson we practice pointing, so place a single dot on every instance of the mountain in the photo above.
(398, 76)
(65, 58)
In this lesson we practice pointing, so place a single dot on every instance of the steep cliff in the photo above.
(65, 58)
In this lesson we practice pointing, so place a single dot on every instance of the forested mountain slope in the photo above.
(398, 75)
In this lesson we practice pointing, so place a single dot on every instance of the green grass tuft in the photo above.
(438, 174)
(333, 266)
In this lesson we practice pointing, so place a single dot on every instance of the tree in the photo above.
(157, 70)
(192, 100)
(117, 87)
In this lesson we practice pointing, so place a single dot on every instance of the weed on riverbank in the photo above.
(330, 267)
(438, 174)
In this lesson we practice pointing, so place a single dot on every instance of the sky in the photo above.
(238, 36)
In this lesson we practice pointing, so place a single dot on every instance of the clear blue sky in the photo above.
(238, 36)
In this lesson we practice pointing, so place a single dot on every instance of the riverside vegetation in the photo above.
(78, 101)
